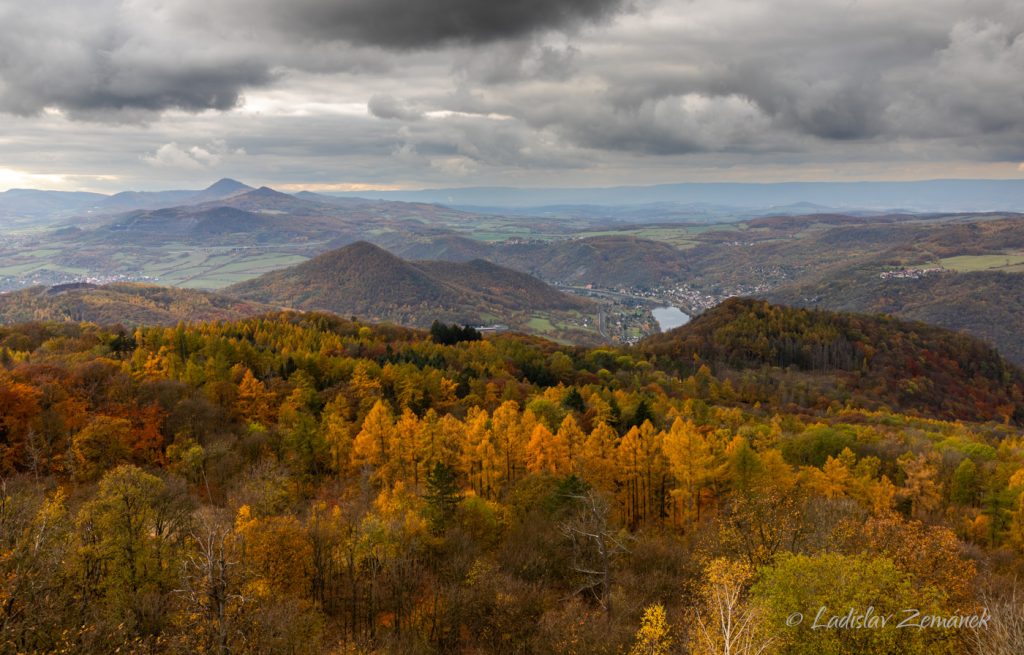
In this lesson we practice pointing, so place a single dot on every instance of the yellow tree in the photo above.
(449, 433)
(726, 623)
(881, 495)
(338, 431)
(653, 637)
(509, 438)
(599, 410)
(371, 445)
(546, 452)
(643, 473)
(276, 556)
(656, 471)
(404, 449)
(920, 486)
(630, 461)
(690, 460)
(365, 387)
(277, 552)
(569, 432)
(478, 458)
(255, 403)
(432, 442)
(833, 479)
(408, 384)
(597, 457)
(774, 467)
(392, 536)
(156, 365)
(930, 553)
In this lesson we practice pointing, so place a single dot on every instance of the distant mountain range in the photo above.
(367, 281)
(129, 200)
(53, 205)
(928, 195)
(663, 202)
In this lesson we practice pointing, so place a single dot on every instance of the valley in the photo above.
(943, 268)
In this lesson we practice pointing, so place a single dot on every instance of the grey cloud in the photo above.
(108, 61)
(671, 125)
(786, 76)
(974, 85)
(387, 106)
(557, 63)
(415, 90)
(517, 61)
(487, 143)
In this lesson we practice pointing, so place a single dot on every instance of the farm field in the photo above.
(1011, 263)
(216, 270)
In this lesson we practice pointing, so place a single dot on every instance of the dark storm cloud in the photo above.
(111, 60)
(428, 23)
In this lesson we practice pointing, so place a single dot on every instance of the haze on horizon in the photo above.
(381, 94)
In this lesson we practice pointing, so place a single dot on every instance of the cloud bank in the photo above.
(360, 90)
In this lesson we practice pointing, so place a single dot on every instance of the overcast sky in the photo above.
(148, 94)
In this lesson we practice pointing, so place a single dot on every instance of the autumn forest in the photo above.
(302, 483)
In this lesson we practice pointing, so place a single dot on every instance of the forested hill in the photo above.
(900, 363)
(988, 304)
(365, 280)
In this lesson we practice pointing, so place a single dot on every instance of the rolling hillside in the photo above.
(608, 261)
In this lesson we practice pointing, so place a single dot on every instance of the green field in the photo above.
(970, 263)
(24, 268)
(540, 324)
